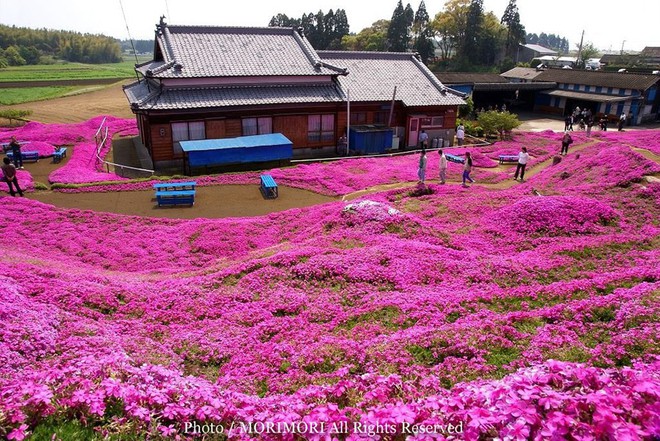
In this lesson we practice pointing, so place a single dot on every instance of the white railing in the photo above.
(100, 138)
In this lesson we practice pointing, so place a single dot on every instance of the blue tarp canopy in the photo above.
(244, 149)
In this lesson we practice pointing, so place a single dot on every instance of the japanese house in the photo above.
(226, 82)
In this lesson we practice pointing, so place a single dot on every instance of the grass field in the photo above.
(70, 71)
(29, 94)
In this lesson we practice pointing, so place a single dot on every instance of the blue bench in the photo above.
(6, 148)
(59, 154)
(176, 197)
(175, 193)
(454, 158)
(508, 158)
(268, 187)
(175, 186)
(27, 156)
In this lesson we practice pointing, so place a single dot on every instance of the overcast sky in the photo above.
(609, 24)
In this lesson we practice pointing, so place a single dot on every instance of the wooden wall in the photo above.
(293, 127)
(161, 146)
(216, 129)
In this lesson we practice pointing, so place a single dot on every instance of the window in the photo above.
(257, 126)
(358, 118)
(320, 128)
(186, 131)
(432, 122)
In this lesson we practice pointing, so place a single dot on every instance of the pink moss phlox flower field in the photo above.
(510, 315)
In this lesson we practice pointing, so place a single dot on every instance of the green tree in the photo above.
(515, 31)
(283, 21)
(13, 57)
(373, 38)
(466, 110)
(498, 123)
(423, 33)
(449, 26)
(14, 114)
(397, 32)
(588, 51)
(470, 49)
(491, 43)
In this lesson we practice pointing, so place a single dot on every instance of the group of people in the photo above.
(467, 168)
(586, 120)
(9, 169)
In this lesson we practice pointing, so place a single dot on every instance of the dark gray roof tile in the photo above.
(227, 97)
(373, 75)
(200, 51)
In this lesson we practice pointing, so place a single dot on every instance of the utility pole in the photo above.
(624, 42)
(579, 57)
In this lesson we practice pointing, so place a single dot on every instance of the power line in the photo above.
(129, 34)
(167, 8)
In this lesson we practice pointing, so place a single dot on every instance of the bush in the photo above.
(498, 123)
(14, 114)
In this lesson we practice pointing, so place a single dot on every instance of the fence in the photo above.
(125, 171)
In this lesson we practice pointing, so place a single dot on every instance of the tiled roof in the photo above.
(372, 76)
(651, 51)
(540, 49)
(595, 97)
(206, 52)
(226, 97)
(514, 86)
(522, 73)
(468, 77)
(599, 78)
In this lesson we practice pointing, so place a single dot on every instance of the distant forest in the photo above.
(141, 46)
(21, 46)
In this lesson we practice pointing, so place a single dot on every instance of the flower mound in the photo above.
(557, 215)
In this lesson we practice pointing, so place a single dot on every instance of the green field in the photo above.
(22, 95)
(70, 71)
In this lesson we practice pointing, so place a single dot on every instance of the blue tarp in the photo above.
(244, 149)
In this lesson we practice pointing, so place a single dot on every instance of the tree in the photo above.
(515, 31)
(324, 31)
(373, 38)
(588, 51)
(14, 114)
(423, 34)
(449, 26)
(13, 57)
(397, 32)
(282, 21)
(470, 50)
(498, 123)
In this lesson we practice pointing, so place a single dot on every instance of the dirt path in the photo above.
(210, 202)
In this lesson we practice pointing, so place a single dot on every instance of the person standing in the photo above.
(467, 168)
(9, 173)
(460, 134)
(523, 158)
(566, 140)
(622, 120)
(443, 167)
(423, 139)
(590, 123)
(16, 152)
(421, 171)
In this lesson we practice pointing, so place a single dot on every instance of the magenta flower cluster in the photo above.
(510, 315)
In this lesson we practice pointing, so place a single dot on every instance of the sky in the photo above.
(608, 24)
